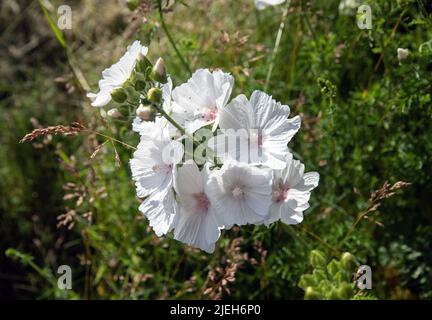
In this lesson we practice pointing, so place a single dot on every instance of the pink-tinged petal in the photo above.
(240, 194)
(223, 85)
(200, 98)
(197, 230)
(114, 76)
(238, 114)
(309, 182)
(267, 110)
(298, 200)
(160, 209)
(291, 192)
(293, 173)
(284, 130)
(291, 217)
(188, 179)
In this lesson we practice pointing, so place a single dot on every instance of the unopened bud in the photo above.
(119, 95)
(402, 54)
(159, 71)
(145, 113)
(114, 113)
(143, 63)
(348, 260)
(154, 95)
(139, 85)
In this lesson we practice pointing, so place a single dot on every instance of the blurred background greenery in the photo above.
(366, 119)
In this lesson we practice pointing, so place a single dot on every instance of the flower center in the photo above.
(280, 193)
(238, 192)
(202, 202)
(209, 114)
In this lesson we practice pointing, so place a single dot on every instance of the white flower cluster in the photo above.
(246, 174)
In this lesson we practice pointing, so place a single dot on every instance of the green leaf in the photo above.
(58, 34)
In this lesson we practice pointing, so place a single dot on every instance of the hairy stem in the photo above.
(171, 120)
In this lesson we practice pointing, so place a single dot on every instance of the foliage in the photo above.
(366, 119)
(333, 280)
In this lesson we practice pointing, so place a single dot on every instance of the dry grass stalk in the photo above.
(97, 149)
(71, 130)
(220, 277)
(79, 194)
(386, 191)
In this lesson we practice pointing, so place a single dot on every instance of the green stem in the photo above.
(319, 239)
(171, 40)
(209, 156)
(277, 43)
(113, 139)
(171, 120)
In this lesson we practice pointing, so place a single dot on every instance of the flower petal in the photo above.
(238, 114)
(160, 209)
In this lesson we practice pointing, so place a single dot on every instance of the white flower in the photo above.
(262, 4)
(197, 102)
(347, 7)
(149, 130)
(160, 209)
(402, 54)
(262, 131)
(152, 169)
(196, 220)
(114, 76)
(291, 192)
(240, 193)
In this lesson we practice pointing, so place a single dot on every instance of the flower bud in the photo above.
(119, 95)
(311, 294)
(159, 72)
(145, 113)
(154, 95)
(143, 64)
(402, 54)
(114, 113)
(317, 259)
(348, 261)
(139, 85)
